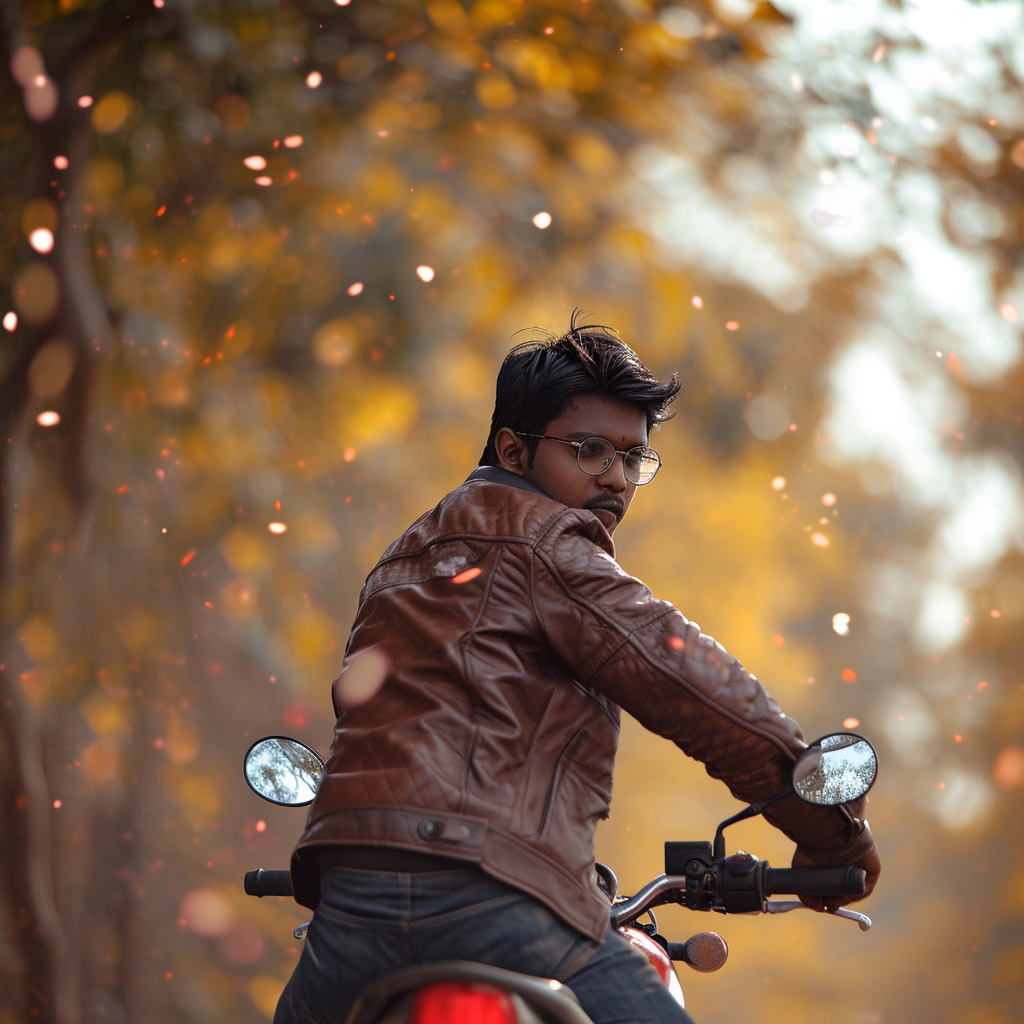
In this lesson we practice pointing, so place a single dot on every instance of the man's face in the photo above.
(555, 468)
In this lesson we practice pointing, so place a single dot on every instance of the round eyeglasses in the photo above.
(596, 454)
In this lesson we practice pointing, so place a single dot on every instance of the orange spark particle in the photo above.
(819, 540)
(698, 302)
(467, 575)
(995, 613)
(851, 723)
(122, 489)
(349, 454)
(849, 676)
(277, 527)
(982, 684)
(957, 738)
(161, 211)
(778, 639)
(189, 555)
(778, 483)
(677, 643)
(828, 499)
(732, 325)
(261, 826)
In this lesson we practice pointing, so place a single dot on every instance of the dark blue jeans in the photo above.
(369, 923)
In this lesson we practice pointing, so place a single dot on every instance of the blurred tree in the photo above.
(264, 258)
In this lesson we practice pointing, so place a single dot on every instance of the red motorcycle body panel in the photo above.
(655, 954)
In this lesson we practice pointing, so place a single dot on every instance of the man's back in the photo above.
(479, 745)
(512, 638)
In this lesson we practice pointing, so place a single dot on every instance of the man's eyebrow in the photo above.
(582, 435)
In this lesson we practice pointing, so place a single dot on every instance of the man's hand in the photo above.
(807, 859)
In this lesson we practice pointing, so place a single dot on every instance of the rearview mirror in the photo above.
(835, 769)
(283, 771)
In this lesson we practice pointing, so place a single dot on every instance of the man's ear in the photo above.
(513, 453)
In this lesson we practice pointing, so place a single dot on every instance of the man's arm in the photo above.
(616, 637)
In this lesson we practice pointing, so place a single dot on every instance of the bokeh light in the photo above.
(41, 239)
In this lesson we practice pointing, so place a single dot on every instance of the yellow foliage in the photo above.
(312, 633)
(106, 717)
(200, 797)
(1013, 892)
(387, 115)
(423, 116)
(38, 639)
(592, 153)
(244, 552)
(487, 14)
(494, 90)
(373, 410)
(287, 269)
(447, 15)
(100, 761)
(40, 213)
(226, 255)
(337, 341)
(171, 390)
(111, 112)
(240, 597)
(103, 178)
(182, 741)
(35, 685)
(1007, 970)
(383, 188)
(264, 990)
(536, 62)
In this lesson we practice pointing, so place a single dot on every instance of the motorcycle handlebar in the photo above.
(268, 883)
(839, 881)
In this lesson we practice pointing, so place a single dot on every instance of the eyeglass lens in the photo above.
(596, 454)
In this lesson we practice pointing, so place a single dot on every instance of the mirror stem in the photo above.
(718, 850)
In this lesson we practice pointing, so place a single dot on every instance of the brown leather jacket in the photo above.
(493, 737)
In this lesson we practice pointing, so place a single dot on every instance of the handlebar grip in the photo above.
(840, 881)
(268, 883)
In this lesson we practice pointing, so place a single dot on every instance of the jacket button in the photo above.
(428, 829)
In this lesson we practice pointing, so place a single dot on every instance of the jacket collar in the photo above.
(497, 475)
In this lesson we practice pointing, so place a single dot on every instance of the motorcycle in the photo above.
(700, 876)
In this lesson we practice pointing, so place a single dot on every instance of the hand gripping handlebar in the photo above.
(268, 883)
(839, 881)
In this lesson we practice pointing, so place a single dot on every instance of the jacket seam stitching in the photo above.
(704, 699)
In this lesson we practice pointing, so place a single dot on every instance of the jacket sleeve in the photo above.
(618, 638)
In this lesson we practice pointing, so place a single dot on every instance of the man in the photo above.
(456, 817)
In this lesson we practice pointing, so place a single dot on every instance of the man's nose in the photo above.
(614, 477)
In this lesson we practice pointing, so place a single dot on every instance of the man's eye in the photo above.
(592, 448)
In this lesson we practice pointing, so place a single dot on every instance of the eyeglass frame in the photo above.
(578, 445)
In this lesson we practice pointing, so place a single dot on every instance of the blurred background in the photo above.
(261, 261)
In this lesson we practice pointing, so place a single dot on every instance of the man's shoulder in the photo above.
(492, 503)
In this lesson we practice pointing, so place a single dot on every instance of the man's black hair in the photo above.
(539, 378)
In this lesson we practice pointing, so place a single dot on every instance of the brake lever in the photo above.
(785, 906)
